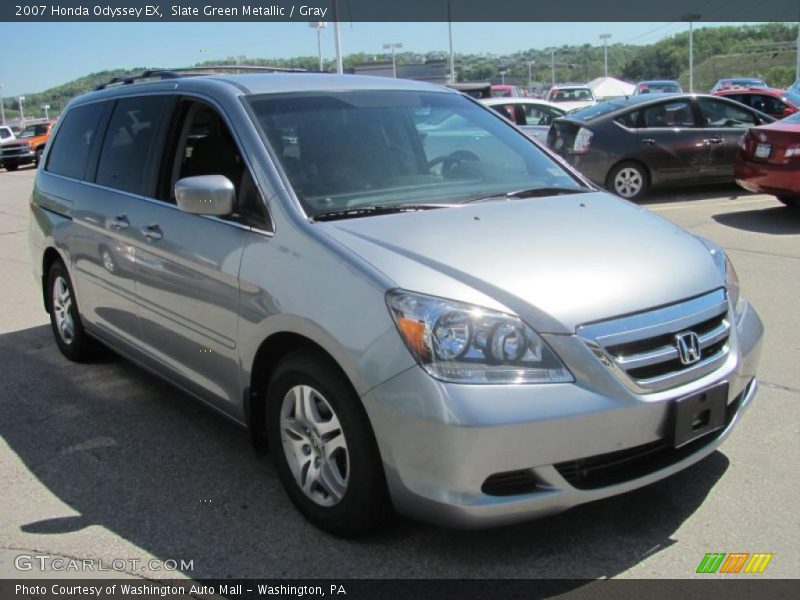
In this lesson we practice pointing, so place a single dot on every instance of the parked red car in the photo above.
(768, 160)
(775, 103)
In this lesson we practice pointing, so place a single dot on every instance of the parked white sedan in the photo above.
(571, 97)
(530, 115)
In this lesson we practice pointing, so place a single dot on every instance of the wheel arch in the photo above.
(269, 354)
(49, 257)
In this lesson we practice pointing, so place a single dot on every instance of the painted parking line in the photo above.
(709, 203)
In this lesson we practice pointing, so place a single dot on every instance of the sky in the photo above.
(37, 56)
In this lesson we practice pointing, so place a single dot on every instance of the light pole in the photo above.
(319, 26)
(337, 38)
(393, 46)
(605, 37)
(553, 64)
(21, 99)
(450, 36)
(691, 19)
(503, 76)
(46, 108)
(2, 108)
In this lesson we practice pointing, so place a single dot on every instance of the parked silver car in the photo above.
(414, 304)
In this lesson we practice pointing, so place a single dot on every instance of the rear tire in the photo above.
(629, 180)
(65, 319)
(790, 201)
(323, 446)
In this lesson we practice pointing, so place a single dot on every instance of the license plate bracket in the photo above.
(763, 150)
(699, 414)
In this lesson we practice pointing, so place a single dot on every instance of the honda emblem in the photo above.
(688, 345)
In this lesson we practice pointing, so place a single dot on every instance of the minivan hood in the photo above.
(557, 262)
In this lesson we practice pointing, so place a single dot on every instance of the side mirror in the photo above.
(205, 195)
(787, 111)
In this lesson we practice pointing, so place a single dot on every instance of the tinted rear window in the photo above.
(598, 110)
(71, 148)
(129, 149)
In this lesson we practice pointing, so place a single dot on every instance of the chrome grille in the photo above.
(642, 349)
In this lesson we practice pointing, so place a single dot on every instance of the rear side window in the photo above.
(629, 119)
(131, 147)
(72, 146)
(669, 114)
(725, 114)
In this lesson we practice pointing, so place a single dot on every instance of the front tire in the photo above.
(324, 448)
(38, 157)
(12, 167)
(790, 201)
(65, 319)
(628, 179)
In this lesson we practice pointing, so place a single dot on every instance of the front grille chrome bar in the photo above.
(642, 350)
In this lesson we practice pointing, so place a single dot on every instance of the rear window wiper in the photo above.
(532, 193)
(368, 211)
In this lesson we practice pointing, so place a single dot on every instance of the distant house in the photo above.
(432, 71)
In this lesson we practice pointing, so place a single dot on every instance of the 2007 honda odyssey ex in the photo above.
(409, 300)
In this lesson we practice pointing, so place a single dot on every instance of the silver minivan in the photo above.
(411, 303)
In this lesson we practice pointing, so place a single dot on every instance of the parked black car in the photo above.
(631, 144)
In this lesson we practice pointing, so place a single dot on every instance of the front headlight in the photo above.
(725, 267)
(462, 343)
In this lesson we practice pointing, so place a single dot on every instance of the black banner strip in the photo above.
(400, 10)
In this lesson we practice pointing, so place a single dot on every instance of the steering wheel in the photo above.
(451, 162)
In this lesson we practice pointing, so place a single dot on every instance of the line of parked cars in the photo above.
(24, 148)
(660, 136)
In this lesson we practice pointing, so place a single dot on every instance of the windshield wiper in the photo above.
(532, 193)
(368, 211)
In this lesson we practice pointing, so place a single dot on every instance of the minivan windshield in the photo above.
(355, 149)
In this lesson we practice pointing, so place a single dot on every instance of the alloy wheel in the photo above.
(62, 309)
(628, 182)
(314, 445)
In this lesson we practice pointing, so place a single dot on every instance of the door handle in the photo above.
(120, 222)
(714, 141)
(648, 141)
(152, 232)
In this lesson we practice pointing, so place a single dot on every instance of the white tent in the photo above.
(605, 88)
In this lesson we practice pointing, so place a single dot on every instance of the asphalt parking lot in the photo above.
(106, 461)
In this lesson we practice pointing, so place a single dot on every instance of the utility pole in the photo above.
(337, 38)
(691, 19)
(450, 35)
(553, 64)
(393, 47)
(2, 108)
(605, 37)
(319, 26)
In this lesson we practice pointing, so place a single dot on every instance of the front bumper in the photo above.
(17, 157)
(442, 443)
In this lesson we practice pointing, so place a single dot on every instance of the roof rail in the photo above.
(194, 72)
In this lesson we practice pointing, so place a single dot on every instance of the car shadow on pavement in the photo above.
(778, 220)
(133, 455)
